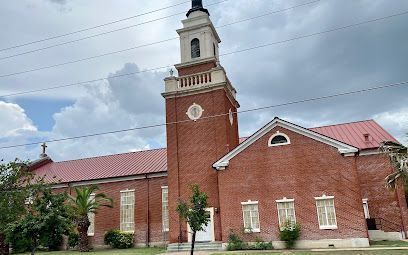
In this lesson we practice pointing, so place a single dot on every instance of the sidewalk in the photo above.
(288, 251)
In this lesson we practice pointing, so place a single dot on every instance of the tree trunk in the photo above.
(4, 247)
(33, 245)
(82, 226)
(193, 243)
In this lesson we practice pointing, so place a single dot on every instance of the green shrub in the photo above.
(235, 243)
(19, 243)
(118, 239)
(261, 245)
(73, 239)
(290, 233)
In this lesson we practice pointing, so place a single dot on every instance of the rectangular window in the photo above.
(91, 217)
(165, 208)
(326, 213)
(251, 216)
(286, 211)
(127, 211)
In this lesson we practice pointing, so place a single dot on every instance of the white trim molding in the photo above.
(283, 200)
(343, 148)
(127, 190)
(278, 133)
(250, 202)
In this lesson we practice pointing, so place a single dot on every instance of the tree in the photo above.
(195, 212)
(83, 204)
(47, 219)
(398, 155)
(15, 182)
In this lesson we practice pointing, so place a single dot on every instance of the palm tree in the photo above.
(84, 203)
(399, 158)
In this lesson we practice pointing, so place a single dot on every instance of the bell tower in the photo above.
(200, 109)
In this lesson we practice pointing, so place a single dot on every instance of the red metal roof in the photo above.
(354, 134)
(155, 161)
(119, 165)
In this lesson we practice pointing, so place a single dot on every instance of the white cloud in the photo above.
(395, 122)
(114, 105)
(14, 121)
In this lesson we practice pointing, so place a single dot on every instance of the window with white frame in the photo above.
(286, 211)
(251, 216)
(278, 139)
(326, 212)
(165, 208)
(127, 211)
(91, 217)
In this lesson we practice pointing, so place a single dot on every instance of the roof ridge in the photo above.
(109, 155)
(345, 123)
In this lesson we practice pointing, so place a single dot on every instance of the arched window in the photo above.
(278, 139)
(195, 48)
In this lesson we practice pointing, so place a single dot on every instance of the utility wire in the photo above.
(94, 27)
(214, 116)
(99, 34)
(229, 53)
(152, 43)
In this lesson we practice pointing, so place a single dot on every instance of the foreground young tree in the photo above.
(195, 212)
(47, 220)
(15, 181)
(84, 203)
(398, 155)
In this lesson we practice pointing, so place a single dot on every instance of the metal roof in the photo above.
(119, 165)
(363, 135)
(366, 134)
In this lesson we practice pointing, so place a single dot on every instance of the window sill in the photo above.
(249, 231)
(92, 234)
(129, 232)
(328, 227)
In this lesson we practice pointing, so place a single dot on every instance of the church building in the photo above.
(328, 179)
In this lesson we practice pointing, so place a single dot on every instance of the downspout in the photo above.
(359, 185)
(180, 235)
(148, 212)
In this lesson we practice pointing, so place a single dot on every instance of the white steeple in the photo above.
(198, 38)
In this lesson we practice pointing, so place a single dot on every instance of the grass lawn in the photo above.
(380, 252)
(143, 251)
(389, 243)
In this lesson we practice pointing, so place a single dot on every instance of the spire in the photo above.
(197, 5)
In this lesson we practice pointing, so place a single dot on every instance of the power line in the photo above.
(99, 34)
(94, 27)
(152, 43)
(214, 116)
(229, 53)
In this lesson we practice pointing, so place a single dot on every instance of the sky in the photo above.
(360, 57)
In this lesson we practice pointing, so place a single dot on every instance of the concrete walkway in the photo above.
(288, 251)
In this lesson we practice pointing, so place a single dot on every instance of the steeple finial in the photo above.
(197, 5)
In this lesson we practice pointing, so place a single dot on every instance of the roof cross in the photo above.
(44, 148)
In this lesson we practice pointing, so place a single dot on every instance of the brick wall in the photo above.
(302, 170)
(382, 203)
(196, 68)
(192, 148)
(148, 208)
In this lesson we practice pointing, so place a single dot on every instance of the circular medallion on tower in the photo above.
(195, 112)
(231, 116)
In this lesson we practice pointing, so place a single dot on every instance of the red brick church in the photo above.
(328, 179)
